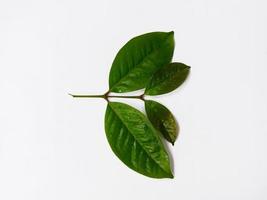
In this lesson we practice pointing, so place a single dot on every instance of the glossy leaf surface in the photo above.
(138, 59)
(167, 79)
(135, 141)
(162, 119)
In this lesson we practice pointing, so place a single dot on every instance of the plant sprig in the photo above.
(143, 62)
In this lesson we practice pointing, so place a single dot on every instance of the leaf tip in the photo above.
(171, 32)
(171, 176)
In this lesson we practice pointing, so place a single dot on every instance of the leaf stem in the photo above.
(86, 96)
(106, 96)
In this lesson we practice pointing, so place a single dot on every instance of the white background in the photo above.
(54, 147)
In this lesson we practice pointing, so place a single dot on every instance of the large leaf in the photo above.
(135, 141)
(167, 79)
(162, 119)
(138, 59)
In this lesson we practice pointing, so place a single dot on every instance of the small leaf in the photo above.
(138, 59)
(162, 119)
(167, 79)
(135, 141)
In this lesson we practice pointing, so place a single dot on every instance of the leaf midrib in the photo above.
(138, 141)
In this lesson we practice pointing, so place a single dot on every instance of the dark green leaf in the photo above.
(135, 141)
(167, 79)
(138, 59)
(162, 119)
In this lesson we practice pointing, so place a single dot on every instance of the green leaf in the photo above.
(135, 141)
(162, 119)
(167, 79)
(138, 59)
